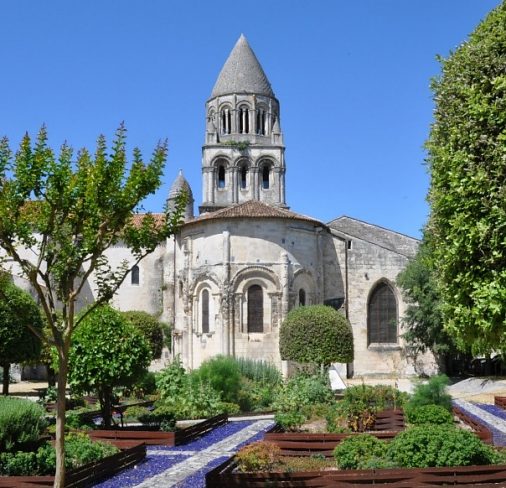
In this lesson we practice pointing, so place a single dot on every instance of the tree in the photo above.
(58, 216)
(423, 320)
(107, 351)
(150, 327)
(316, 334)
(18, 310)
(467, 162)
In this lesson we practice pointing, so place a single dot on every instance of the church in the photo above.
(228, 279)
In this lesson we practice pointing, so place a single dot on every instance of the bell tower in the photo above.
(243, 155)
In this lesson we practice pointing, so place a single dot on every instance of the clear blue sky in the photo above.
(352, 78)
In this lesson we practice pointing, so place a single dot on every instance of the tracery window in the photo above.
(134, 275)
(205, 311)
(382, 316)
(255, 309)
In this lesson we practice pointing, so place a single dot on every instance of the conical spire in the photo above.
(242, 73)
(180, 184)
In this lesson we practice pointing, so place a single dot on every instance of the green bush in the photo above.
(258, 456)
(21, 422)
(432, 393)
(18, 463)
(316, 334)
(256, 396)
(361, 451)
(223, 374)
(161, 417)
(290, 421)
(428, 414)
(259, 371)
(151, 330)
(135, 412)
(428, 445)
(230, 408)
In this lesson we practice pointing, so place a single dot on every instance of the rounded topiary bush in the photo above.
(428, 414)
(427, 446)
(361, 451)
(316, 334)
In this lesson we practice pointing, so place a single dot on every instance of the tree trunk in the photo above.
(59, 480)
(6, 378)
(105, 397)
(51, 376)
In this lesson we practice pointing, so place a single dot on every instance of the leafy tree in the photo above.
(150, 327)
(423, 320)
(67, 211)
(316, 334)
(107, 351)
(18, 313)
(467, 161)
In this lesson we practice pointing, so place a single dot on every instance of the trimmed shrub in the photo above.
(290, 421)
(432, 393)
(258, 456)
(150, 328)
(21, 422)
(316, 334)
(428, 414)
(362, 451)
(428, 446)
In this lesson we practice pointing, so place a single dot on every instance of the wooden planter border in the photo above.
(85, 476)
(223, 476)
(480, 430)
(500, 401)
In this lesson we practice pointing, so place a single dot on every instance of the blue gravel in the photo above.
(152, 466)
(198, 480)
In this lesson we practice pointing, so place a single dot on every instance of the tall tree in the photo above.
(58, 216)
(467, 162)
(18, 313)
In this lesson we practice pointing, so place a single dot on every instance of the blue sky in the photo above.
(352, 78)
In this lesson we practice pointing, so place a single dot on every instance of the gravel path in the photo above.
(186, 466)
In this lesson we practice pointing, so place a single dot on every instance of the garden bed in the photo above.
(224, 476)
(480, 430)
(84, 476)
(150, 437)
(500, 401)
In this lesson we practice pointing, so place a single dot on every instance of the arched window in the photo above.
(221, 176)
(382, 316)
(226, 121)
(266, 177)
(302, 297)
(243, 119)
(255, 309)
(261, 122)
(205, 311)
(134, 275)
(243, 177)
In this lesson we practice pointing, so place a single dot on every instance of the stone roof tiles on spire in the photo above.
(180, 184)
(242, 73)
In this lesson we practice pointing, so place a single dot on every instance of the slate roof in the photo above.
(253, 209)
(242, 73)
(180, 183)
(388, 239)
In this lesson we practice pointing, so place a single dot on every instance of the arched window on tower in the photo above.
(205, 311)
(266, 170)
(302, 297)
(261, 121)
(134, 275)
(226, 120)
(243, 119)
(255, 309)
(221, 176)
(243, 177)
(382, 316)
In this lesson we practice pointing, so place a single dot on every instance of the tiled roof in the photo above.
(253, 209)
(242, 73)
(159, 218)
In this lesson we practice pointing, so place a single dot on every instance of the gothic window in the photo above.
(243, 119)
(243, 177)
(226, 121)
(205, 311)
(265, 177)
(255, 309)
(382, 316)
(221, 176)
(134, 275)
(302, 297)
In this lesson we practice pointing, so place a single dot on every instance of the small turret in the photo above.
(181, 185)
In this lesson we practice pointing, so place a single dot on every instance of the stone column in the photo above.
(284, 274)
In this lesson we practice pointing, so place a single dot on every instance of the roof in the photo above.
(137, 218)
(242, 73)
(388, 239)
(180, 184)
(253, 209)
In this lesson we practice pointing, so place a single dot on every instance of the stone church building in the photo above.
(227, 280)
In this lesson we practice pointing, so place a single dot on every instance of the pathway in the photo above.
(186, 466)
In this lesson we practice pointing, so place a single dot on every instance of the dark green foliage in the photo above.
(107, 352)
(256, 395)
(428, 414)
(18, 310)
(362, 451)
(291, 420)
(259, 371)
(150, 328)
(161, 417)
(21, 422)
(230, 408)
(466, 158)
(18, 463)
(427, 446)
(432, 393)
(316, 334)
(223, 374)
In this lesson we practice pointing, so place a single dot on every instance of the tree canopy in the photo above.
(150, 327)
(467, 162)
(19, 315)
(316, 334)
